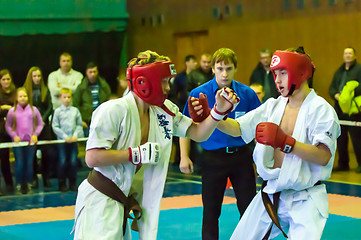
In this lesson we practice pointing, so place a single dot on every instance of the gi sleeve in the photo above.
(324, 127)
(250, 120)
(105, 125)
(181, 123)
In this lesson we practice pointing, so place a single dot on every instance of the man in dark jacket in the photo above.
(92, 92)
(263, 76)
(200, 75)
(349, 70)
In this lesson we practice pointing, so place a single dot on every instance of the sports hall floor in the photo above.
(49, 214)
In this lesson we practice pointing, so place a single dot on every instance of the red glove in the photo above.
(203, 101)
(271, 134)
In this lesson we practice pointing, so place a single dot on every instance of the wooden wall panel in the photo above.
(324, 31)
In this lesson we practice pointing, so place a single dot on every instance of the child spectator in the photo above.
(41, 99)
(24, 123)
(67, 125)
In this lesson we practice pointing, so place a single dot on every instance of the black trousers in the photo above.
(5, 161)
(218, 165)
(342, 141)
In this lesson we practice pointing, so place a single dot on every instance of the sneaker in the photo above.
(24, 188)
(18, 189)
(47, 183)
(30, 188)
(62, 186)
(35, 183)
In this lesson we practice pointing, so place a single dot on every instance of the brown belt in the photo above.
(110, 189)
(272, 209)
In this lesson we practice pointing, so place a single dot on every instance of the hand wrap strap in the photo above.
(216, 115)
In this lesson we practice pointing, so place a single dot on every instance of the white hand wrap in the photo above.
(148, 153)
(218, 116)
(215, 114)
(224, 94)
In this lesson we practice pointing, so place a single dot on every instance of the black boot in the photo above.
(62, 185)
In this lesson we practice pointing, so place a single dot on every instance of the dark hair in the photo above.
(4, 72)
(91, 65)
(265, 50)
(354, 50)
(65, 54)
(189, 57)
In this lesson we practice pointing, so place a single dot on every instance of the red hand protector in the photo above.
(271, 134)
(203, 101)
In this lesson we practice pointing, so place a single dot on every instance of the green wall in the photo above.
(19, 17)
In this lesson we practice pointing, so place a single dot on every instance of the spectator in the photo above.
(196, 78)
(64, 77)
(92, 92)
(24, 123)
(178, 93)
(123, 88)
(258, 89)
(224, 156)
(7, 99)
(200, 75)
(35, 86)
(349, 70)
(263, 76)
(67, 125)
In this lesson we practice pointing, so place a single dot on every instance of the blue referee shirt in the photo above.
(248, 102)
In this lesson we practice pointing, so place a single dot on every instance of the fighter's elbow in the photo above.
(90, 159)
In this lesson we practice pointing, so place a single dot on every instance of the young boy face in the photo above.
(282, 81)
(224, 73)
(65, 99)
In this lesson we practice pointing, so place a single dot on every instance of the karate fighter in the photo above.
(129, 147)
(296, 143)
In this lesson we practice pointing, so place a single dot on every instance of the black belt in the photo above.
(227, 150)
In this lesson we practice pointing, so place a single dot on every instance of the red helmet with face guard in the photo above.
(146, 81)
(299, 67)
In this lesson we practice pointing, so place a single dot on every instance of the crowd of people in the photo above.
(277, 122)
(37, 111)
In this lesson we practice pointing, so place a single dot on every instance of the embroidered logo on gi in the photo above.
(328, 134)
(164, 123)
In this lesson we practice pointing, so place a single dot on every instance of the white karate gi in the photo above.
(303, 207)
(116, 125)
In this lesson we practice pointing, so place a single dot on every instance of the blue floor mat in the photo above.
(177, 224)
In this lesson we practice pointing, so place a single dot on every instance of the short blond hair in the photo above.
(65, 90)
(147, 57)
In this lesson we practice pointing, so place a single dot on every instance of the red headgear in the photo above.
(299, 67)
(146, 81)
